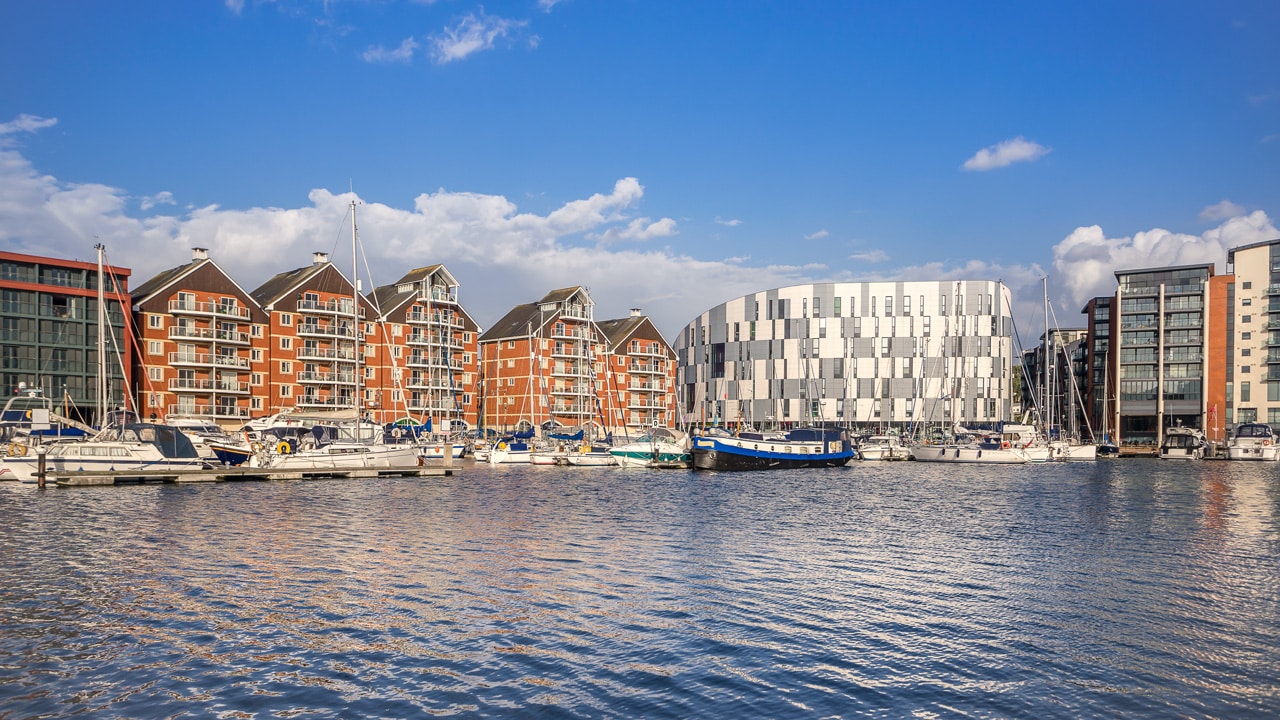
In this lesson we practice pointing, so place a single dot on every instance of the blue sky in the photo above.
(668, 155)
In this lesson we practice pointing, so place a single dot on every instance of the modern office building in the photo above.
(1099, 376)
(856, 353)
(1169, 320)
(1252, 373)
(49, 338)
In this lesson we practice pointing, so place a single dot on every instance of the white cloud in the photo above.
(546, 5)
(402, 54)
(235, 6)
(730, 223)
(160, 198)
(870, 256)
(817, 236)
(1005, 153)
(640, 229)
(473, 33)
(24, 124)
(1085, 261)
(1222, 211)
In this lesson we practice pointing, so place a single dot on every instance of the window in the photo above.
(286, 343)
(255, 331)
(1246, 301)
(836, 310)
(1246, 336)
(888, 306)
(1246, 285)
(255, 403)
(906, 305)
(873, 306)
(255, 378)
(155, 322)
(286, 391)
(817, 307)
(255, 355)
(286, 319)
(1247, 318)
(1245, 352)
(155, 374)
(155, 347)
(286, 367)
(511, 344)
(1244, 370)
(1244, 392)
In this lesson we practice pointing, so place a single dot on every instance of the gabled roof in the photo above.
(620, 331)
(280, 285)
(515, 324)
(563, 294)
(172, 279)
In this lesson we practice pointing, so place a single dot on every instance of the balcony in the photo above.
(643, 404)
(1188, 340)
(179, 332)
(327, 378)
(445, 320)
(434, 340)
(315, 401)
(580, 409)
(570, 370)
(647, 386)
(324, 330)
(223, 411)
(208, 359)
(328, 307)
(647, 369)
(439, 294)
(575, 312)
(560, 332)
(1140, 290)
(1193, 289)
(207, 386)
(180, 307)
(568, 350)
(650, 353)
(318, 353)
(433, 361)
(561, 389)
(429, 382)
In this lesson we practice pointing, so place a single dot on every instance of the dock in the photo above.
(241, 474)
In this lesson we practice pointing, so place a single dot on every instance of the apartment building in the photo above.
(641, 374)
(317, 329)
(202, 345)
(1098, 374)
(1169, 320)
(867, 353)
(544, 362)
(429, 367)
(1252, 373)
(49, 340)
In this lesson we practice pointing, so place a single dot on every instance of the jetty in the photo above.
(237, 474)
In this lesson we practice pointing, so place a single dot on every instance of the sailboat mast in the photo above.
(1048, 413)
(102, 340)
(355, 320)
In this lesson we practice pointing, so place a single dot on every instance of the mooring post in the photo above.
(40, 466)
(448, 454)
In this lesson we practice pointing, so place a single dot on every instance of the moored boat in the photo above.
(800, 448)
(1253, 441)
(883, 447)
(1183, 443)
(658, 447)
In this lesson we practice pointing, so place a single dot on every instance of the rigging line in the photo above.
(1083, 410)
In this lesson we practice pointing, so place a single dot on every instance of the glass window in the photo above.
(1244, 392)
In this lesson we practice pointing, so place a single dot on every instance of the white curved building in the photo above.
(855, 353)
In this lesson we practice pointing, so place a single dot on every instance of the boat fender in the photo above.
(284, 448)
(1266, 442)
(979, 453)
(502, 446)
(1004, 446)
(28, 414)
(256, 447)
(17, 449)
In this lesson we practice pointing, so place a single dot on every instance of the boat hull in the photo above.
(726, 453)
(1265, 453)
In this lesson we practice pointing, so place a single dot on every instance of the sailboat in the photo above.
(341, 444)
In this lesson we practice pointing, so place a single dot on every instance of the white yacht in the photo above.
(1253, 441)
(1183, 443)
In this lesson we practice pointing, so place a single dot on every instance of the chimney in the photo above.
(199, 254)
(635, 312)
(319, 258)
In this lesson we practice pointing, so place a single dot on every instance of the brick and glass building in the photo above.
(49, 336)
(854, 353)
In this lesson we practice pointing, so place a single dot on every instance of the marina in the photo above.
(1109, 589)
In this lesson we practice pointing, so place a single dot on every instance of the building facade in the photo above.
(857, 353)
(1098, 376)
(49, 339)
(1252, 376)
(643, 372)
(203, 344)
(428, 368)
(1166, 320)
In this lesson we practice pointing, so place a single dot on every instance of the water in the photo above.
(1121, 588)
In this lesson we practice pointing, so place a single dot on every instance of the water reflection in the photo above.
(1067, 590)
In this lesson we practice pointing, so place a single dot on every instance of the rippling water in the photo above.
(1132, 587)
